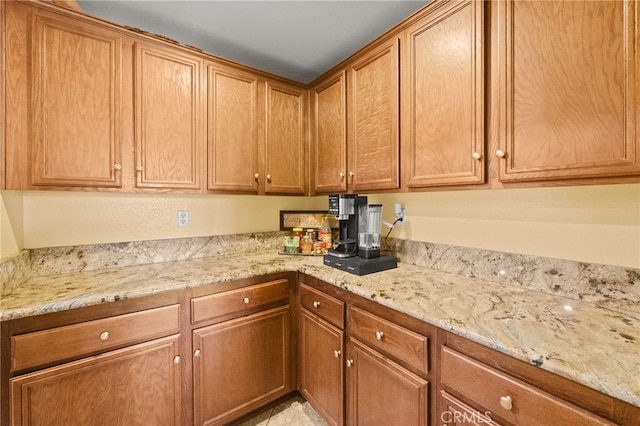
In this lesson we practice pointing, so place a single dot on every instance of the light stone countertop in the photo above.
(593, 345)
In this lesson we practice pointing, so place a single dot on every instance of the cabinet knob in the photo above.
(177, 359)
(351, 174)
(138, 168)
(379, 335)
(316, 304)
(506, 402)
(117, 167)
(197, 353)
(104, 335)
(246, 300)
(349, 362)
(476, 155)
(500, 153)
(268, 178)
(341, 174)
(336, 354)
(256, 176)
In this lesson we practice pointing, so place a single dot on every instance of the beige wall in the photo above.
(11, 223)
(599, 224)
(73, 218)
(596, 224)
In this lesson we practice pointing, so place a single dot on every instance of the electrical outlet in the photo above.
(183, 217)
(400, 213)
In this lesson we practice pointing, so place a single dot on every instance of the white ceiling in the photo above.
(296, 39)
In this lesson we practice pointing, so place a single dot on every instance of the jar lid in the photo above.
(297, 229)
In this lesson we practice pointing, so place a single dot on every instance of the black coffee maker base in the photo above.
(360, 266)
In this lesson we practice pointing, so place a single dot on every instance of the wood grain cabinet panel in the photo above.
(321, 366)
(373, 101)
(567, 89)
(139, 385)
(380, 392)
(443, 96)
(62, 124)
(240, 365)
(169, 118)
(329, 133)
(285, 142)
(508, 400)
(72, 341)
(233, 138)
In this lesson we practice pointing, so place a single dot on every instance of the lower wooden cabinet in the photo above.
(138, 385)
(381, 392)
(321, 367)
(505, 398)
(240, 365)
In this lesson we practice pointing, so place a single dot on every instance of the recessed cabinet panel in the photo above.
(443, 94)
(330, 134)
(321, 367)
(373, 119)
(568, 74)
(240, 365)
(232, 131)
(169, 117)
(380, 392)
(139, 385)
(285, 140)
(77, 74)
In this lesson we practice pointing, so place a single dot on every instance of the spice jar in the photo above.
(306, 244)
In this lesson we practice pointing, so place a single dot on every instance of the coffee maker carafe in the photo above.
(346, 208)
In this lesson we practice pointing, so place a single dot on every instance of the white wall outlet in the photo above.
(400, 213)
(183, 217)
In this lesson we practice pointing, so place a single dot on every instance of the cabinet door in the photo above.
(321, 367)
(169, 119)
(232, 131)
(380, 392)
(139, 385)
(567, 89)
(240, 365)
(443, 133)
(329, 118)
(284, 157)
(76, 77)
(373, 119)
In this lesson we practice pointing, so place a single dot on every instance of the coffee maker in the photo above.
(357, 249)
(345, 208)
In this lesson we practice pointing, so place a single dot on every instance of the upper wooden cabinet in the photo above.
(63, 82)
(374, 134)
(566, 88)
(285, 141)
(443, 97)
(169, 125)
(329, 134)
(233, 126)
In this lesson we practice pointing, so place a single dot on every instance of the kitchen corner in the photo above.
(539, 310)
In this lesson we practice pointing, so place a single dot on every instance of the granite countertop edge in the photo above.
(593, 345)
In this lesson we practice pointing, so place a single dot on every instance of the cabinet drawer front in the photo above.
(238, 302)
(495, 392)
(326, 307)
(46, 346)
(388, 337)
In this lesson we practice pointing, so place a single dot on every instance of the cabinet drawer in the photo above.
(233, 303)
(55, 344)
(388, 337)
(506, 397)
(326, 307)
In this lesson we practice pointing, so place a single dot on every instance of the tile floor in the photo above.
(292, 412)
